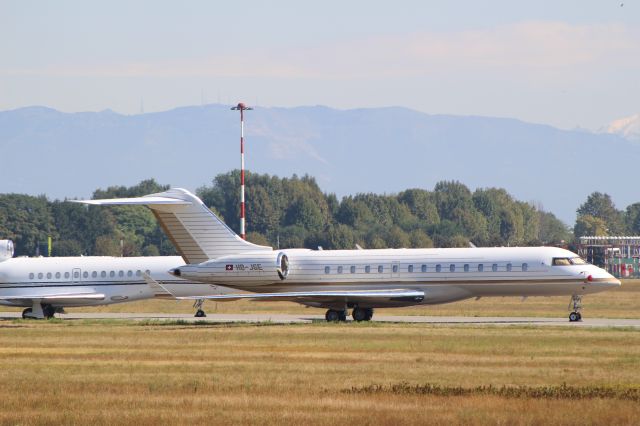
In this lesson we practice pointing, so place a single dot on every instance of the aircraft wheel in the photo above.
(332, 316)
(200, 314)
(575, 316)
(48, 311)
(359, 314)
(26, 312)
(369, 314)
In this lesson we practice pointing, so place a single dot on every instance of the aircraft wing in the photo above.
(294, 296)
(54, 297)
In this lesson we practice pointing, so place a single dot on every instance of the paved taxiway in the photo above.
(292, 319)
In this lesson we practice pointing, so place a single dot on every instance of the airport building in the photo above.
(620, 256)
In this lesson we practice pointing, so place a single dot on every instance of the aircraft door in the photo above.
(76, 273)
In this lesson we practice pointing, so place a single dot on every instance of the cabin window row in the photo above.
(438, 268)
(85, 274)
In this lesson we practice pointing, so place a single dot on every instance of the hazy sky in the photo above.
(565, 63)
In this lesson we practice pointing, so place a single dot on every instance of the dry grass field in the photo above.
(144, 373)
(119, 372)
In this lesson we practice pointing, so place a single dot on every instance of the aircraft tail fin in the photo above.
(196, 232)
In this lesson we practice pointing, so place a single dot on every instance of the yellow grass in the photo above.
(111, 372)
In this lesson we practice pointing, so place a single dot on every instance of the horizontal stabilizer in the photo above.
(138, 201)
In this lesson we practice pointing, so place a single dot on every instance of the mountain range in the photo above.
(380, 150)
(627, 127)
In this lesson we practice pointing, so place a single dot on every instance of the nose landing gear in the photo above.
(576, 301)
(198, 305)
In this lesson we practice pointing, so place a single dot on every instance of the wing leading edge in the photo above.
(56, 297)
(393, 294)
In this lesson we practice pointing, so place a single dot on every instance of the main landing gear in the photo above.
(39, 312)
(359, 314)
(362, 314)
(577, 307)
(198, 305)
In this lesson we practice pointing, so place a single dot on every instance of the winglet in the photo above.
(156, 286)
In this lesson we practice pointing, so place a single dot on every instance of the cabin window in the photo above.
(94, 274)
(49, 275)
(148, 272)
(352, 269)
(452, 268)
(380, 269)
(339, 269)
(112, 274)
(129, 273)
(410, 268)
(480, 267)
(367, 269)
(138, 273)
(394, 268)
(121, 274)
(424, 268)
(508, 267)
(66, 275)
(466, 267)
(438, 268)
(31, 276)
(40, 275)
(103, 274)
(327, 269)
(494, 267)
(525, 267)
(76, 274)
(58, 275)
(85, 274)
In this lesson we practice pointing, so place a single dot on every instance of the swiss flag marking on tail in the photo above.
(229, 268)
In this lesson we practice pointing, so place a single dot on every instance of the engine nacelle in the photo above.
(6, 250)
(248, 269)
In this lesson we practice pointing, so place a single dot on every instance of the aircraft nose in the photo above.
(602, 278)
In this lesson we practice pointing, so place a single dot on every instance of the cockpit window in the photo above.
(566, 261)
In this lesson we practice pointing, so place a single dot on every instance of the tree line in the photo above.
(294, 212)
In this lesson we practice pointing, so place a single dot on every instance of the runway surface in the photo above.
(297, 319)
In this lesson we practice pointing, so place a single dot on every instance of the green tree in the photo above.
(27, 221)
(601, 206)
(632, 219)
(590, 225)
(419, 239)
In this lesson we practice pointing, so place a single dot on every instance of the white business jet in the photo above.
(361, 280)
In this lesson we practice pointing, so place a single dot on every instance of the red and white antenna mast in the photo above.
(242, 108)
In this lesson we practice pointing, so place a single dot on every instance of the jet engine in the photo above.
(243, 269)
(6, 250)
